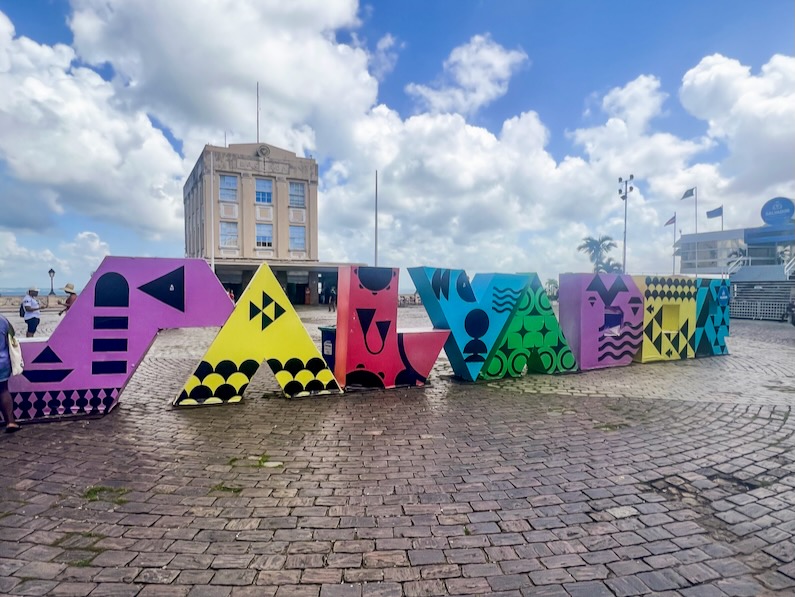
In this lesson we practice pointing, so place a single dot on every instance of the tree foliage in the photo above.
(597, 250)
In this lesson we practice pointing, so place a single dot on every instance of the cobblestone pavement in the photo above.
(666, 479)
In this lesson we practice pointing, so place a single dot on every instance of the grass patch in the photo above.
(97, 493)
(81, 563)
(226, 488)
(262, 460)
(232, 461)
(467, 532)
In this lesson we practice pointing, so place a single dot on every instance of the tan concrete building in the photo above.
(253, 202)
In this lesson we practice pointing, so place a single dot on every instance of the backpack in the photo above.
(22, 311)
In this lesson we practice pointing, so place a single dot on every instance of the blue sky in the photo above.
(679, 93)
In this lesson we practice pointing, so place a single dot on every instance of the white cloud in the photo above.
(195, 65)
(383, 60)
(63, 135)
(73, 261)
(475, 74)
(450, 193)
(754, 115)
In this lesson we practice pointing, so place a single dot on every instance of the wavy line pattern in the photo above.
(618, 345)
(637, 336)
(505, 299)
(616, 356)
(503, 309)
(506, 292)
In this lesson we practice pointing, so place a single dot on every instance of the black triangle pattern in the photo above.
(662, 291)
(169, 289)
(59, 404)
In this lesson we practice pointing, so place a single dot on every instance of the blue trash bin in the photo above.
(328, 341)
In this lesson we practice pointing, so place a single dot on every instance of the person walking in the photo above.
(32, 311)
(69, 289)
(6, 402)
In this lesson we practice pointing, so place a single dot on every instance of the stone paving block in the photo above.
(510, 483)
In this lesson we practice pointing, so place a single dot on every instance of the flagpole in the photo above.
(721, 218)
(673, 252)
(695, 194)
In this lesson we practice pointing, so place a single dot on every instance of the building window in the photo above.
(297, 238)
(228, 188)
(264, 191)
(264, 235)
(228, 234)
(297, 194)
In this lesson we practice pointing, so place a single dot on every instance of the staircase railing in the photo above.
(734, 266)
(789, 267)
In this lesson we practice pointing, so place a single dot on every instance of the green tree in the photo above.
(597, 250)
(552, 288)
(609, 266)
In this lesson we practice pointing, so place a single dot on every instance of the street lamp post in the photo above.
(623, 194)
(52, 275)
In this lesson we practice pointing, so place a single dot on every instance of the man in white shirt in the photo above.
(32, 311)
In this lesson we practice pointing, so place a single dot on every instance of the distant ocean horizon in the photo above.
(23, 291)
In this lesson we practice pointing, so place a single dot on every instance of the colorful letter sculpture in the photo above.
(669, 318)
(474, 313)
(602, 317)
(83, 367)
(712, 317)
(263, 324)
(531, 339)
(370, 351)
(499, 323)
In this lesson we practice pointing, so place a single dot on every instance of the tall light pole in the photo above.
(52, 275)
(623, 194)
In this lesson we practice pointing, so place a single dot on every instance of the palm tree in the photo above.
(597, 249)
(609, 266)
(552, 288)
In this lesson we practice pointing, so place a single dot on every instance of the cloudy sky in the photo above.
(499, 128)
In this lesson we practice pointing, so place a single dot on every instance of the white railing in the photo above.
(789, 266)
(732, 267)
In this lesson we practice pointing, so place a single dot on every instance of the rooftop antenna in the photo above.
(257, 112)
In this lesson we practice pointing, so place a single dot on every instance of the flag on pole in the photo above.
(689, 193)
(671, 221)
(715, 213)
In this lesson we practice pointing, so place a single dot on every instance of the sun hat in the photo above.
(69, 288)
(33, 289)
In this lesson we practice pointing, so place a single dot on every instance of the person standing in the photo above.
(332, 299)
(69, 289)
(32, 311)
(6, 402)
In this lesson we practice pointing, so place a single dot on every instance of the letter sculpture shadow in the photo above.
(263, 325)
(669, 318)
(712, 317)
(370, 351)
(602, 317)
(84, 366)
(499, 324)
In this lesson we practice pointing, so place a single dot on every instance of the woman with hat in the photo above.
(69, 289)
(32, 311)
